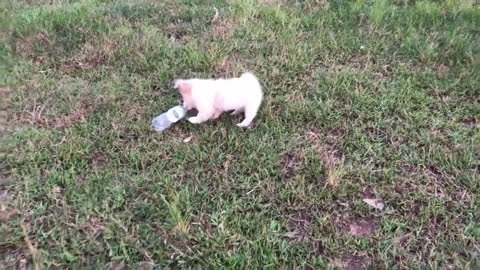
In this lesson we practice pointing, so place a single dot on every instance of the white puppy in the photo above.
(213, 97)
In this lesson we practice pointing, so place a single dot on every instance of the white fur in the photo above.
(213, 97)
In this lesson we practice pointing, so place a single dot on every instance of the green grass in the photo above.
(363, 99)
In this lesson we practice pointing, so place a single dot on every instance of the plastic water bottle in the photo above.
(166, 119)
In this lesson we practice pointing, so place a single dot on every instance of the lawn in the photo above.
(365, 152)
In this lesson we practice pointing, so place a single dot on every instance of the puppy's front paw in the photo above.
(194, 120)
(243, 125)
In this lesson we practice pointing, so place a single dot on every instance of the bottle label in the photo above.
(175, 114)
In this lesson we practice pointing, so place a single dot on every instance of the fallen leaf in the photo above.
(377, 203)
(188, 139)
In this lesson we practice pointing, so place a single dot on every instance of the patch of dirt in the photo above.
(440, 94)
(357, 226)
(437, 182)
(160, 89)
(145, 265)
(178, 34)
(78, 115)
(92, 54)
(335, 135)
(125, 134)
(353, 63)
(299, 232)
(224, 27)
(362, 227)
(298, 226)
(359, 61)
(221, 28)
(229, 66)
(356, 262)
(14, 253)
(134, 112)
(223, 67)
(328, 147)
(435, 227)
(93, 227)
(98, 159)
(117, 266)
(442, 69)
(384, 72)
(368, 192)
(37, 113)
(34, 46)
(5, 215)
(401, 240)
(408, 169)
(471, 122)
(330, 154)
(35, 117)
(290, 164)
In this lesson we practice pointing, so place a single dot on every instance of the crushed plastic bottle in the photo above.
(166, 119)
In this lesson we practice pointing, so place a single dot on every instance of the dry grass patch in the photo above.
(92, 54)
(34, 46)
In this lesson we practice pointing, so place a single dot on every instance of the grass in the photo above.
(363, 99)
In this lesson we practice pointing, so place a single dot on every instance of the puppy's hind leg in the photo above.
(250, 112)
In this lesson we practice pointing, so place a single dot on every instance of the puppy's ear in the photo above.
(177, 83)
(184, 87)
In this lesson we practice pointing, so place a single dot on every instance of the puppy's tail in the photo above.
(255, 96)
(250, 79)
(249, 76)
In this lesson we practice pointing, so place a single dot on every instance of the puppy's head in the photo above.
(185, 89)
